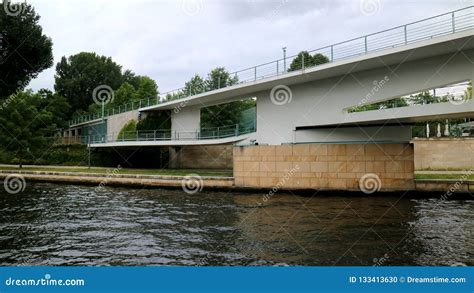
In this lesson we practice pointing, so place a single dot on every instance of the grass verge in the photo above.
(462, 177)
(123, 171)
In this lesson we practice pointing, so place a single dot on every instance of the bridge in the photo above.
(311, 105)
(415, 57)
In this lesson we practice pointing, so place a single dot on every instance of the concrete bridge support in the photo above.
(360, 167)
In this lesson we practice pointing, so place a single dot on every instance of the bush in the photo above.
(128, 131)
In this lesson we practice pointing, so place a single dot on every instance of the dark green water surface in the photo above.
(52, 224)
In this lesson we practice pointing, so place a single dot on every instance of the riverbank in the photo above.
(194, 181)
(84, 176)
(117, 171)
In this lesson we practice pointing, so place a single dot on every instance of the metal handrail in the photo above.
(446, 24)
(169, 135)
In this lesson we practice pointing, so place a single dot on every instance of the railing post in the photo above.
(453, 22)
(154, 135)
(255, 73)
(406, 34)
(365, 41)
(237, 130)
(332, 53)
(302, 63)
(218, 132)
(278, 70)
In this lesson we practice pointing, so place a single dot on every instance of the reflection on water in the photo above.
(77, 225)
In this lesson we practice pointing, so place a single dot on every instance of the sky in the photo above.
(170, 41)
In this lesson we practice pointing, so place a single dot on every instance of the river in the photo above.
(51, 224)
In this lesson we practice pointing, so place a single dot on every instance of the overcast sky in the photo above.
(170, 41)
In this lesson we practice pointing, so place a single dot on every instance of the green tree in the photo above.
(195, 86)
(228, 114)
(309, 61)
(424, 98)
(219, 78)
(123, 95)
(160, 120)
(24, 50)
(77, 77)
(27, 124)
(57, 105)
(128, 131)
(147, 89)
(319, 59)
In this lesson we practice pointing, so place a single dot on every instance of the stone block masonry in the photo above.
(324, 166)
(444, 153)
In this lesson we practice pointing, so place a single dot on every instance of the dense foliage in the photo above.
(24, 50)
(308, 60)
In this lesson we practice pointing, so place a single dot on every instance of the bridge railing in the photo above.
(168, 135)
(429, 28)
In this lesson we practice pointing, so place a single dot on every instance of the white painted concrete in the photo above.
(321, 94)
(115, 123)
(227, 140)
(185, 122)
(323, 102)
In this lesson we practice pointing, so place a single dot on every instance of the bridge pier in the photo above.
(359, 167)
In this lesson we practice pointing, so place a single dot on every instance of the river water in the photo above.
(52, 224)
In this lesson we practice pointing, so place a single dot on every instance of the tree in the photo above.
(297, 63)
(128, 131)
(319, 59)
(219, 78)
(24, 50)
(28, 123)
(228, 114)
(147, 88)
(123, 95)
(160, 120)
(309, 61)
(55, 104)
(77, 77)
(195, 86)
(424, 98)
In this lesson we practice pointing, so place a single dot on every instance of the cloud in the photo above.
(170, 41)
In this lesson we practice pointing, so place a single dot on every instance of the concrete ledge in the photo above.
(447, 186)
(117, 180)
